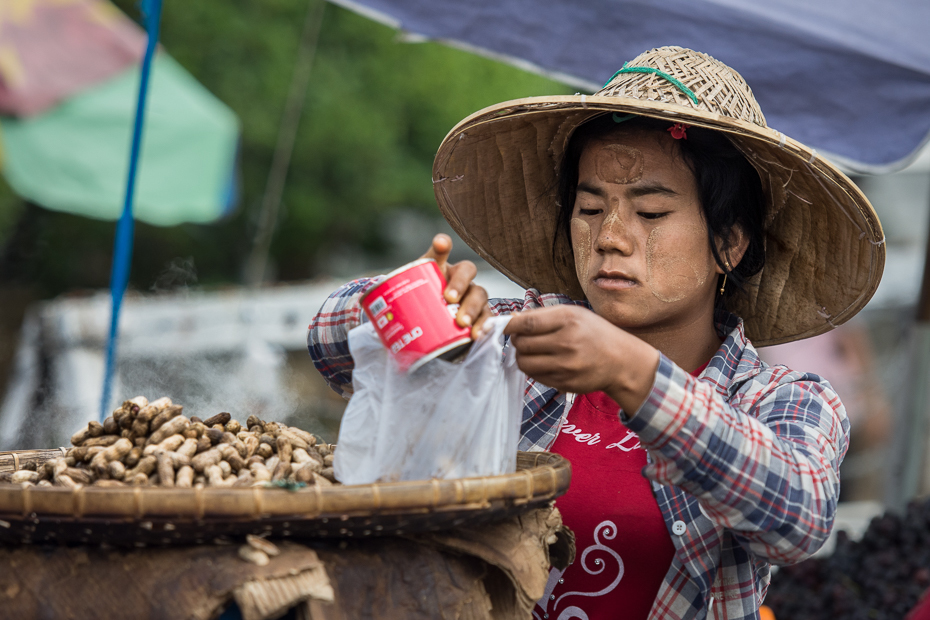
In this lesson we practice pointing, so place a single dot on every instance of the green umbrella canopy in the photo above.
(75, 157)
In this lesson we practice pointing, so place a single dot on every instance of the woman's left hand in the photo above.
(573, 349)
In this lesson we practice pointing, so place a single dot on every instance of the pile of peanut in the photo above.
(150, 443)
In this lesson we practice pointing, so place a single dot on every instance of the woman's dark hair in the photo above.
(728, 187)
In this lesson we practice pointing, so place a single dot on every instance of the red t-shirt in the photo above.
(623, 545)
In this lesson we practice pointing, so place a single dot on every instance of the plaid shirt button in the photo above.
(679, 528)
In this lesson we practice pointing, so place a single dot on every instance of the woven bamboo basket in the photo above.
(163, 516)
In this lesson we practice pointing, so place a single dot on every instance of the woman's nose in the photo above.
(613, 235)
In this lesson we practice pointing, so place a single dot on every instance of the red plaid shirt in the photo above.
(744, 460)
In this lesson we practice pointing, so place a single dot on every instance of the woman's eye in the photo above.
(582, 211)
(647, 215)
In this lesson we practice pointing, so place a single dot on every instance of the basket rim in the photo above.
(540, 476)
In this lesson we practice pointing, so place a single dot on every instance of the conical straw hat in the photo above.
(495, 177)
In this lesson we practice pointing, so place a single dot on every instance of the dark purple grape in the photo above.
(881, 576)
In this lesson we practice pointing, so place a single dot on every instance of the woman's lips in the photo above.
(613, 281)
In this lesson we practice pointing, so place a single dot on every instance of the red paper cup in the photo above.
(411, 317)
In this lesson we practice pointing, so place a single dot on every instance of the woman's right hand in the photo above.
(460, 288)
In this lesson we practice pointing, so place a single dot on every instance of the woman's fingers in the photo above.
(538, 322)
(439, 252)
(459, 289)
(473, 302)
(458, 286)
(477, 329)
(543, 344)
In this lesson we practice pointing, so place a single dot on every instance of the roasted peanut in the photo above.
(206, 459)
(251, 445)
(80, 437)
(170, 444)
(118, 450)
(94, 428)
(265, 546)
(65, 481)
(307, 437)
(188, 448)
(253, 555)
(281, 471)
(215, 435)
(220, 418)
(166, 414)
(132, 459)
(81, 476)
(140, 427)
(173, 426)
(185, 477)
(304, 474)
(116, 470)
(236, 462)
(165, 468)
(146, 466)
(284, 448)
(179, 460)
(259, 472)
(24, 475)
(110, 427)
(215, 477)
(272, 463)
(151, 410)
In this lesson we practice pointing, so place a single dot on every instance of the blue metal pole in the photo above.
(122, 247)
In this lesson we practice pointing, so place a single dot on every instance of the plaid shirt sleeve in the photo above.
(328, 334)
(762, 462)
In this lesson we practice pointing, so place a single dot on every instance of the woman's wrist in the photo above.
(638, 362)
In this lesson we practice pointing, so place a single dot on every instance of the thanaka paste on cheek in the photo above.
(672, 271)
(619, 164)
(581, 242)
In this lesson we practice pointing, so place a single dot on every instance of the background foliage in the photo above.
(376, 111)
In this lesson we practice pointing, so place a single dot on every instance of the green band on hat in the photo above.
(661, 74)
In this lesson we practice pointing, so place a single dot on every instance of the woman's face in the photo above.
(638, 233)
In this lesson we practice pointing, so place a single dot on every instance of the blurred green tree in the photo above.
(376, 110)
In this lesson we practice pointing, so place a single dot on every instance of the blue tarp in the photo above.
(849, 78)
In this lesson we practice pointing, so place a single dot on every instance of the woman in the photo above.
(664, 204)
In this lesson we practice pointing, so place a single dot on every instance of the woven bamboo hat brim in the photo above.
(495, 180)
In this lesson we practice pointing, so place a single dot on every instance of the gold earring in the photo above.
(724, 285)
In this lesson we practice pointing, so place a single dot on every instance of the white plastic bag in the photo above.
(444, 420)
